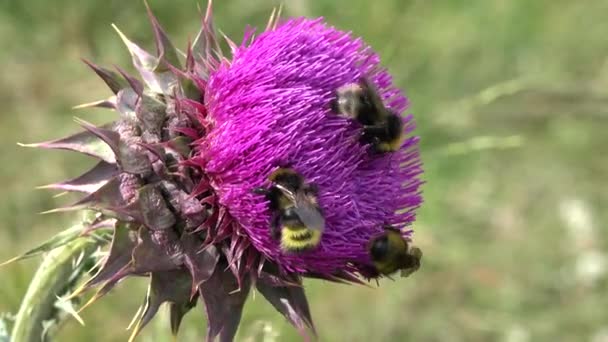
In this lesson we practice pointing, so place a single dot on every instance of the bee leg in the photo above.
(275, 226)
(374, 130)
(334, 105)
(312, 188)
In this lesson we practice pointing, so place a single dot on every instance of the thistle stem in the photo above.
(38, 316)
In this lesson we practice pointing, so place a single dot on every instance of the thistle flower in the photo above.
(176, 170)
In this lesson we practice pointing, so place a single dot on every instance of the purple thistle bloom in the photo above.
(269, 108)
(176, 171)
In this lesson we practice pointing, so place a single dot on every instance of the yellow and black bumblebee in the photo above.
(390, 252)
(360, 101)
(296, 217)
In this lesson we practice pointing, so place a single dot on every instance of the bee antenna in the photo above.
(260, 191)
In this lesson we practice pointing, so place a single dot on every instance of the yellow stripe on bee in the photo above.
(392, 146)
(296, 239)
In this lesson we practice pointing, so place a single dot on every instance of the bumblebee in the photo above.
(382, 128)
(390, 252)
(296, 217)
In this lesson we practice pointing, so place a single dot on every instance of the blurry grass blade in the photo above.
(496, 91)
(56, 241)
(4, 335)
(484, 143)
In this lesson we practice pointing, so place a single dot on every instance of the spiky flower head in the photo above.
(176, 170)
(269, 108)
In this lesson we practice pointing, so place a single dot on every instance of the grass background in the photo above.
(511, 100)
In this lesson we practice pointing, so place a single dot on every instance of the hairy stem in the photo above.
(39, 316)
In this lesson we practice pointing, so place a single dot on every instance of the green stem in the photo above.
(55, 277)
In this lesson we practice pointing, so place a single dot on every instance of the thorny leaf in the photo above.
(165, 50)
(107, 197)
(289, 301)
(200, 263)
(133, 159)
(109, 103)
(109, 137)
(156, 254)
(84, 142)
(57, 240)
(154, 209)
(224, 303)
(156, 79)
(177, 313)
(89, 181)
(111, 78)
(151, 113)
(126, 101)
(123, 242)
(169, 286)
(66, 305)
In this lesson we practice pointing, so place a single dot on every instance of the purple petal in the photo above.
(270, 106)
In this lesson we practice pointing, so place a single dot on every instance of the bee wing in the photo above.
(372, 92)
(309, 212)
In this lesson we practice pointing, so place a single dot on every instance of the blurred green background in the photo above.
(511, 100)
